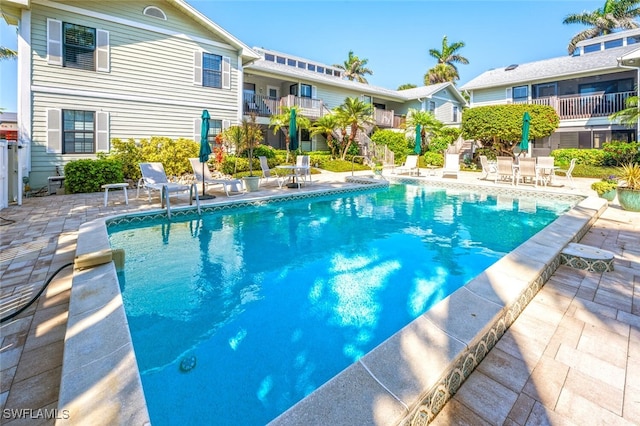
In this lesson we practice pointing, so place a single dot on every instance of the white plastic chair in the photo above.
(487, 168)
(568, 172)
(505, 169)
(527, 170)
(546, 170)
(304, 171)
(233, 185)
(410, 165)
(451, 165)
(266, 173)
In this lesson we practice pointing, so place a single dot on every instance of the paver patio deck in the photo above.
(573, 353)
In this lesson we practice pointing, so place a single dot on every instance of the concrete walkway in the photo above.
(580, 324)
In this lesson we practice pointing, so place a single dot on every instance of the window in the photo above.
(280, 59)
(366, 99)
(613, 43)
(544, 90)
(79, 46)
(78, 132)
(336, 73)
(291, 62)
(269, 57)
(154, 12)
(328, 71)
(455, 114)
(305, 135)
(302, 65)
(215, 128)
(613, 86)
(311, 67)
(320, 69)
(592, 48)
(211, 70)
(633, 39)
(432, 106)
(305, 90)
(520, 93)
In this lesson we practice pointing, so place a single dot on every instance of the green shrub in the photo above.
(591, 157)
(128, 153)
(396, 142)
(490, 153)
(173, 154)
(603, 186)
(618, 153)
(431, 158)
(88, 175)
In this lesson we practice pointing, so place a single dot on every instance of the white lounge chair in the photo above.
(229, 185)
(546, 169)
(266, 173)
(154, 178)
(487, 168)
(451, 165)
(410, 165)
(527, 170)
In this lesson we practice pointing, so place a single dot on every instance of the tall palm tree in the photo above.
(407, 86)
(354, 68)
(355, 114)
(441, 73)
(429, 124)
(6, 53)
(325, 126)
(628, 116)
(448, 57)
(613, 15)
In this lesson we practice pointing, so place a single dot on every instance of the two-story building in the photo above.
(584, 88)
(280, 79)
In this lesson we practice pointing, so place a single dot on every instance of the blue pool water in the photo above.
(270, 302)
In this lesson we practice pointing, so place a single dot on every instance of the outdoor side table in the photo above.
(109, 186)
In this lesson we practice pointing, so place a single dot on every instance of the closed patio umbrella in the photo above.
(524, 142)
(418, 146)
(293, 131)
(205, 149)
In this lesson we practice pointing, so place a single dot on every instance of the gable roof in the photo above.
(564, 66)
(246, 52)
(269, 67)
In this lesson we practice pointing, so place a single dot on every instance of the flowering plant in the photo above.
(218, 151)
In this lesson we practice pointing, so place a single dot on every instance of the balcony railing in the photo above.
(585, 106)
(311, 108)
(260, 105)
(383, 117)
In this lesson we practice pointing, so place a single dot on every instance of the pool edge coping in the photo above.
(96, 305)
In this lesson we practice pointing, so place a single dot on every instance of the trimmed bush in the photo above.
(432, 158)
(589, 157)
(618, 153)
(88, 175)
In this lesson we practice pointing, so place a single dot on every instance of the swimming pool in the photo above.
(352, 270)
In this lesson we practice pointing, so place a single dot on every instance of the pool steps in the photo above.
(587, 258)
(406, 379)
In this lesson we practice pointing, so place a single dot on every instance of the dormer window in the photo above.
(154, 12)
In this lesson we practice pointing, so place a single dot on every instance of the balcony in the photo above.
(570, 107)
(383, 117)
(264, 106)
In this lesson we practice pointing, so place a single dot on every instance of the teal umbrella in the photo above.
(293, 131)
(418, 139)
(205, 148)
(524, 142)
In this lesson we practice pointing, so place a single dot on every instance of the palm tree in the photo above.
(613, 15)
(325, 126)
(429, 124)
(441, 73)
(6, 53)
(630, 115)
(281, 122)
(448, 57)
(354, 68)
(407, 86)
(355, 114)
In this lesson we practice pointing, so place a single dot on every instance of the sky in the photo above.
(394, 36)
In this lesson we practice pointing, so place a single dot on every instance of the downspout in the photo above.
(24, 99)
(240, 88)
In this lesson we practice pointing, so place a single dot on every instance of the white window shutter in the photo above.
(54, 131)
(197, 124)
(197, 68)
(102, 51)
(509, 94)
(102, 132)
(226, 72)
(226, 124)
(54, 42)
(314, 92)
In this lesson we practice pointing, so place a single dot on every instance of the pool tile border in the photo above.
(108, 384)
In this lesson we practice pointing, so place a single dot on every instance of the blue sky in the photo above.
(395, 36)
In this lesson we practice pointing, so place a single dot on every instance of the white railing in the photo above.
(383, 117)
(308, 107)
(585, 106)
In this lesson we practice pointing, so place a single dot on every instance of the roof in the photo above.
(295, 73)
(8, 117)
(564, 66)
(247, 53)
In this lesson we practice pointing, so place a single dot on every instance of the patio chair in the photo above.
(527, 170)
(410, 165)
(304, 172)
(266, 173)
(567, 173)
(487, 168)
(546, 169)
(451, 165)
(504, 166)
(154, 178)
(229, 185)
